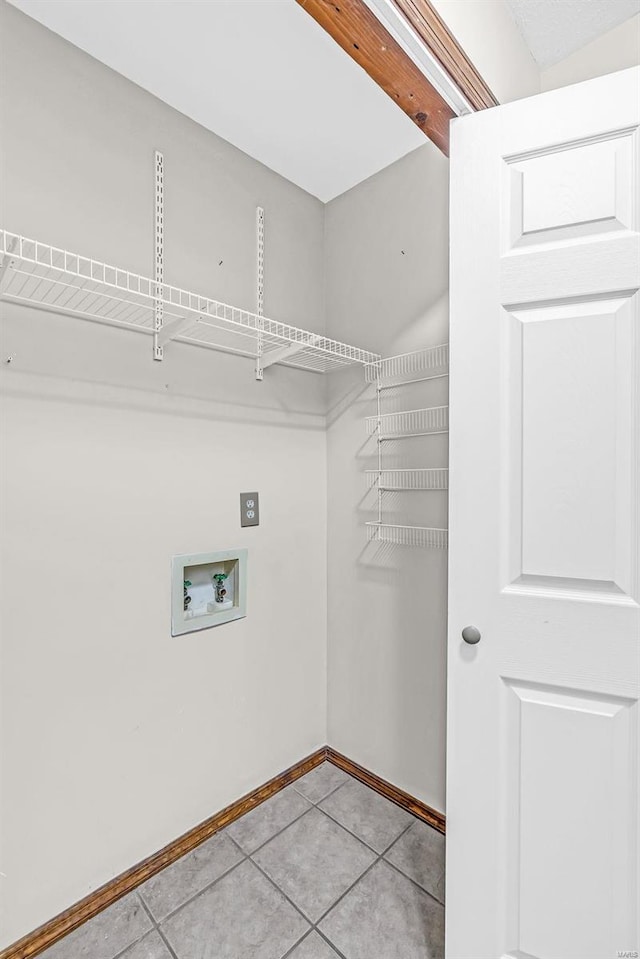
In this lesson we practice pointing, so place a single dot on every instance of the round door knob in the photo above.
(471, 635)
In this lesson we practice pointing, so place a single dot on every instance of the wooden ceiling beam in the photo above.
(436, 36)
(360, 34)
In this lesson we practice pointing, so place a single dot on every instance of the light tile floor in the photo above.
(326, 869)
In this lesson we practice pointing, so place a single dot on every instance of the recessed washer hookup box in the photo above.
(208, 589)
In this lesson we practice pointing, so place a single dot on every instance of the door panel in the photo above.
(568, 753)
(576, 189)
(573, 442)
(542, 755)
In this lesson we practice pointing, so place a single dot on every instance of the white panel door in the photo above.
(542, 792)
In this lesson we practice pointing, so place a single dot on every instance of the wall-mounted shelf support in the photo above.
(158, 352)
(171, 330)
(286, 352)
(259, 289)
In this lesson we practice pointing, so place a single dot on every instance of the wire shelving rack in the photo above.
(407, 368)
(401, 480)
(425, 536)
(391, 426)
(57, 280)
(389, 373)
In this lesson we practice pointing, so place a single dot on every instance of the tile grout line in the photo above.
(346, 892)
(248, 857)
(415, 883)
(245, 856)
(314, 925)
(278, 833)
(283, 893)
(310, 932)
(330, 793)
(323, 935)
(379, 858)
(157, 928)
(297, 943)
(138, 939)
(364, 841)
(204, 889)
(172, 952)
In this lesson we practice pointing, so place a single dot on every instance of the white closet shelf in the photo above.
(406, 368)
(432, 419)
(423, 536)
(56, 280)
(401, 480)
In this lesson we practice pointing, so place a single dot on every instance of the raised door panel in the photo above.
(573, 190)
(571, 446)
(571, 825)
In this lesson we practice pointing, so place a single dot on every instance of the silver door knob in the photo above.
(471, 635)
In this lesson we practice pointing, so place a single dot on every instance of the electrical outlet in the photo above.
(249, 509)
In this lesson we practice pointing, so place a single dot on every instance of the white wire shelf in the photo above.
(406, 368)
(424, 536)
(56, 280)
(408, 479)
(432, 419)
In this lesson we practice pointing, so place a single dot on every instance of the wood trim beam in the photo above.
(360, 34)
(51, 932)
(438, 39)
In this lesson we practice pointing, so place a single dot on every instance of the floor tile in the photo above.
(314, 861)
(313, 947)
(420, 855)
(366, 814)
(386, 916)
(240, 917)
(320, 782)
(105, 936)
(262, 823)
(151, 947)
(172, 887)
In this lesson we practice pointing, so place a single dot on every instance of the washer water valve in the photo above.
(218, 582)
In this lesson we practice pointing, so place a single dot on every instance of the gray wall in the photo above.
(117, 737)
(386, 250)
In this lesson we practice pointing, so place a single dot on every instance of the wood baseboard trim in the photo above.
(51, 932)
(417, 808)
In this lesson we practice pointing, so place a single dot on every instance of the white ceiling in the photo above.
(259, 73)
(553, 29)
